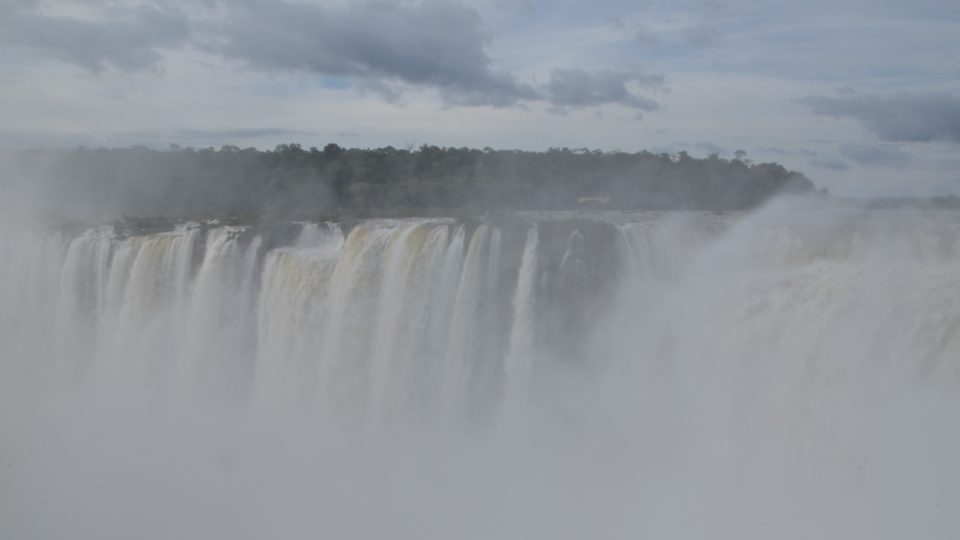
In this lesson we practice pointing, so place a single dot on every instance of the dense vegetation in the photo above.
(291, 182)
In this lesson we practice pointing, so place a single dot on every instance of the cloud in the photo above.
(874, 155)
(702, 35)
(710, 147)
(127, 38)
(377, 47)
(436, 43)
(239, 133)
(576, 88)
(19, 140)
(805, 152)
(380, 45)
(903, 117)
(645, 36)
(830, 163)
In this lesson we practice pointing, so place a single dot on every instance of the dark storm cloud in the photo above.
(904, 117)
(126, 38)
(436, 44)
(873, 154)
(576, 88)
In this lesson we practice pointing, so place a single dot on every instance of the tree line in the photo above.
(291, 182)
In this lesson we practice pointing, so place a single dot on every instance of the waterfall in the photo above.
(755, 375)
(520, 360)
(435, 316)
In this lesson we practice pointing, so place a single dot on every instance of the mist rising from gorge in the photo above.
(789, 372)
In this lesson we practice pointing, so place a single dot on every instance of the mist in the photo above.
(149, 188)
(479, 269)
(787, 372)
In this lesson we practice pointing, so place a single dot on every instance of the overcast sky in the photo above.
(861, 95)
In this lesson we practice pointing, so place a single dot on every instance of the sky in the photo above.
(862, 96)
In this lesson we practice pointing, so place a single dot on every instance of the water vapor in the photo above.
(787, 373)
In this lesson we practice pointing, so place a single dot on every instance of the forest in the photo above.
(294, 183)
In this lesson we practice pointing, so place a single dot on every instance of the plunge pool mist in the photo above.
(789, 373)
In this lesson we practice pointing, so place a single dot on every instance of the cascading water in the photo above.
(788, 374)
(520, 360)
